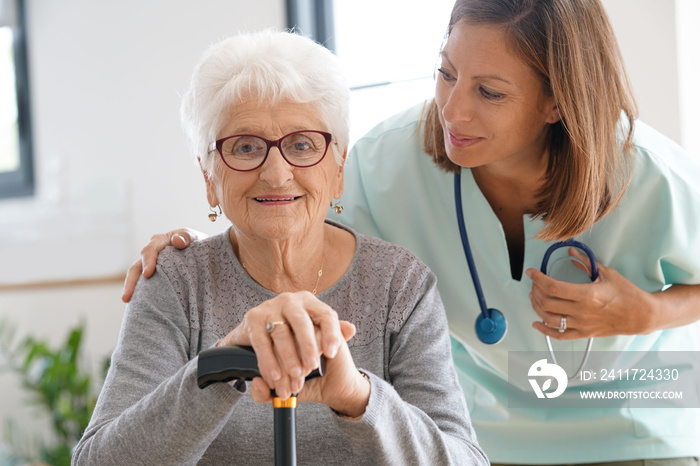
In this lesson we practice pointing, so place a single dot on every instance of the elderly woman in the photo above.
(266, 114)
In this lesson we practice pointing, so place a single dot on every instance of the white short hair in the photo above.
(270, 66)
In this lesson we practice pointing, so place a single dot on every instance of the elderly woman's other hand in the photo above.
(343, 387)
(289, 333)
(180, 238)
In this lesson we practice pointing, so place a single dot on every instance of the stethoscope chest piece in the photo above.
(492, 329)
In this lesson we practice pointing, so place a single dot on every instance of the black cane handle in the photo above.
(227, 363)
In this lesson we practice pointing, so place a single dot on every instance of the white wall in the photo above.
(646, 31)
(111, 161)
(688, 36)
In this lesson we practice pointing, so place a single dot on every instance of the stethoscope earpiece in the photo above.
(492, 329)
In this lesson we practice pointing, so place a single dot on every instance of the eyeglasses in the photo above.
(245, 152)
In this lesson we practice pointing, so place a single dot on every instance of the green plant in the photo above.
(57, 384)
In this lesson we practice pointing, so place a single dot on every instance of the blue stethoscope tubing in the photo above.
(491, 324)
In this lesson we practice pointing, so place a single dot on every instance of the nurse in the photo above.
(533, 110)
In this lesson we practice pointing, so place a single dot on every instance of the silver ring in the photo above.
(562, 324)
(271, 325)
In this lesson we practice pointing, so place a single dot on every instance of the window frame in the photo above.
(314, 19)
(20, 182)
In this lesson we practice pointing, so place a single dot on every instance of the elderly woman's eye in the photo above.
(246, 147)
(301, 146)
(304, 144)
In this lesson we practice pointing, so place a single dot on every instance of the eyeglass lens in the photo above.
(301, 149)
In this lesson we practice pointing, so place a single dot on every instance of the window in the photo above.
(16, 173)
(389, 49)
(313, 18)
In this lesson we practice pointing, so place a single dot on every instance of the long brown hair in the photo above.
(572, 48)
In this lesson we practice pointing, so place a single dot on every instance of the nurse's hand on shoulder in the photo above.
(146, 265)
(611, 305)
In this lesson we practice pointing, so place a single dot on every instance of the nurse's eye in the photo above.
(445, 74)
(490, 95)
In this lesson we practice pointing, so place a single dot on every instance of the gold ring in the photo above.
(271, 325)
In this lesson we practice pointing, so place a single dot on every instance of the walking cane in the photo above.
(227, 363)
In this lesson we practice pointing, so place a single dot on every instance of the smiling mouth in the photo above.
(461, 137)
(263, 200)
(462, 141)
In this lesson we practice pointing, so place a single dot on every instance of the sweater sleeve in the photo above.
(419, 416)
(150, 398)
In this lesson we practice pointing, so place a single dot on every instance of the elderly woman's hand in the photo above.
(302, 328)
(180, 238)
(343, 388)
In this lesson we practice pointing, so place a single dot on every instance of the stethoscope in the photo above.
(491, 325)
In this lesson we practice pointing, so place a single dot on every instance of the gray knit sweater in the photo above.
(151, 411)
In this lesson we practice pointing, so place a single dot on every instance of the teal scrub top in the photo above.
(393, 190)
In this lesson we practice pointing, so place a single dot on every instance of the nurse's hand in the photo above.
(146, 265)
(611, 305)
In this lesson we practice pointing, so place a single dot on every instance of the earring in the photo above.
(338, 207)
(214, 214)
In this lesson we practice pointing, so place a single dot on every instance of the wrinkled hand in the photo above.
(180, 238)
(343, 388)
(611, 305)
(292, 350)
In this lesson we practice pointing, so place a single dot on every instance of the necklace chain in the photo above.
(320, 272)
